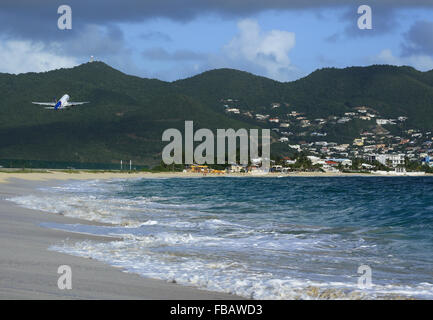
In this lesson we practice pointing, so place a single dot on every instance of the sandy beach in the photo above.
(29, 271)
(53, 175)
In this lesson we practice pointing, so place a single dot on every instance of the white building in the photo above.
(316, 160)
(233, 110)
(321, 143)
(343, 120)
(261, 116)
(367, 166)
(344, 162)
(256, 161)
(295, 146)
(235, 168)
(392, 160)
(290, 161)
(384, 121)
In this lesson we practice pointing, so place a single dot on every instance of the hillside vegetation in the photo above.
(127, 115)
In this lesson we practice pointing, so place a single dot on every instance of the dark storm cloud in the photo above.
(27, 17)
(384, 20)
(95, 40)
(419, 39)
(36, 20)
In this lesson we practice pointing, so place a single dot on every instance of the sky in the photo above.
(173, 39)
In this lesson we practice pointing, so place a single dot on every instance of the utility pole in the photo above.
(130, 165)
(121, 165)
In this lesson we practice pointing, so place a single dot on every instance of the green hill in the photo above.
(127, 114)
(392, 91)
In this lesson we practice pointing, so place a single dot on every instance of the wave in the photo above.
(229, 276)
(254, 238)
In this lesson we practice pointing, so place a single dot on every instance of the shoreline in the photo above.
(28, 270)
(52, 175)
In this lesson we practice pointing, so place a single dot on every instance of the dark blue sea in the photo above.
(261, 238)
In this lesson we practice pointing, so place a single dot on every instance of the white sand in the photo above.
(29, 271)
(83, 175)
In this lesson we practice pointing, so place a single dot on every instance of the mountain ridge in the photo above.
(127, 114)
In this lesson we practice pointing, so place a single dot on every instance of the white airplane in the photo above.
(63, 103)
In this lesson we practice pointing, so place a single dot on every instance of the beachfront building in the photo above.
(199, 168)
(330, 166)
(289, 161)
(276, 168)
(343, 162)
(316, 160)
(392, 160)
(366, 166)
(256, 161)
(236, 168)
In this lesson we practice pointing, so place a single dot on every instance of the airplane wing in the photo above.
(45, 103)
(70, 104)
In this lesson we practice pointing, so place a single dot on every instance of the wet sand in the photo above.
(29, 271)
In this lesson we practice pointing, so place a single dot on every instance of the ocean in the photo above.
(260, 238)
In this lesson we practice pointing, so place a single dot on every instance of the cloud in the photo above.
(161, 54)
(93, 40)
(38, 18)
(26, 56)
(421, 62)
(96, 32)
(156, 35)
(418, 40)
(106, 43)
(261, 52)
(383, 17)
(416, 48)
(267, 52)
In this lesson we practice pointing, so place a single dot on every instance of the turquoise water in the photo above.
(265, 238)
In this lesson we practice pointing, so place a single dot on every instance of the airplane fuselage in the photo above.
(62, 103)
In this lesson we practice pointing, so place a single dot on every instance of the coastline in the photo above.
(29, 271)
(52, 175)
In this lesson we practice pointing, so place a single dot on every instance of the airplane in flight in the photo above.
(63, 103)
